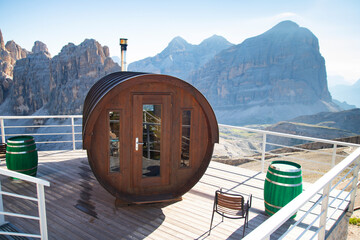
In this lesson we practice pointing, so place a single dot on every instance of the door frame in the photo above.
(138, 100)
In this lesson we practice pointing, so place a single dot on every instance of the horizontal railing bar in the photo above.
(58, 142)
(310, 225)
(39, 126)
(294, 136)
(295, 158)
(273, 223)
(305, 149)
(20, 234)
(338, 182)
(18, 196)
(337, 208)
(19, 215)
(39, 117)
(39, 134)
(28, 178)
(303, 217)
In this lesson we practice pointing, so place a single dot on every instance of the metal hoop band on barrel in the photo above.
(19, 146)
(22, 152)
(24, 170)
(284, 184)
(271, 205)
(20, 141)
(284, 176)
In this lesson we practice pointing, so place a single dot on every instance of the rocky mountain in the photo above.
(9, 54)
(57, 84)
(347, 93)
(348, 120)
(326, 125)
(180, 58)
(275, 76)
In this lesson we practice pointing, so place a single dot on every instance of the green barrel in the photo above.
(21, 155)
(282, 184)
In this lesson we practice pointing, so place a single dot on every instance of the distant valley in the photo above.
(347, 93)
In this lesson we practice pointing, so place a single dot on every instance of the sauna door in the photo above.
(151, 139)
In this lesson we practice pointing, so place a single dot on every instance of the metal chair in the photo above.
(231, 206)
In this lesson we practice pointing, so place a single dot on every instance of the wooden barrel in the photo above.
(21, 155)
(149, 137)
(282, 184)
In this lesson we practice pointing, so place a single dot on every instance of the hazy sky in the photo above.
(151, 25)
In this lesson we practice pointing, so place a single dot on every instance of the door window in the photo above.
(151, 140)
(114, 145)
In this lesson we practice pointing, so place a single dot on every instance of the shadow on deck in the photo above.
(77, 207)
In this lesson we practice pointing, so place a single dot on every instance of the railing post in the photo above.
(42, 211)
(354, 188)
(73, 133)
(333, 156)
(263, 153)
(324, 209)
(2, 125)
(2, 217)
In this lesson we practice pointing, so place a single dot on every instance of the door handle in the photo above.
(137, 143)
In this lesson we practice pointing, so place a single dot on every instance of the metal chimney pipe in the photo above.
(123, 44)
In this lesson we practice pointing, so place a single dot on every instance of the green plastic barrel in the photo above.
(21, 155)
(282, 184)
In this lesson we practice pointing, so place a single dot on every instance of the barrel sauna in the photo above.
(149, 137)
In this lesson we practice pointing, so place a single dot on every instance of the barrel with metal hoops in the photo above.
(282, 184)
(21, 155)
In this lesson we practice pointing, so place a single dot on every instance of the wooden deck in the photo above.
(79, 208)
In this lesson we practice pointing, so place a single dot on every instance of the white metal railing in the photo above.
(40, 200)
(324, 198)
(8, 124)
(323, 185)
(263, 141)
(263, 147)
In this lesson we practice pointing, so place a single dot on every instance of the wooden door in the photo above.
(151, 140)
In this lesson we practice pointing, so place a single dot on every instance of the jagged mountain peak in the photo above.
(2, 43)
(285, 26)
(177, 44)
(215, 40)
(180, 58)
(40, 47)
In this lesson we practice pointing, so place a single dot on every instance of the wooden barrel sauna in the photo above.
(21, 155)
(283, 183)
(149, 137)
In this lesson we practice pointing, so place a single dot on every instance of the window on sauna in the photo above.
(152, 140)
(114, 144)
(185, 138)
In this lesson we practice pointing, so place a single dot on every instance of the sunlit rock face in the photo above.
(61, 83)
(180, 58)
(9, 54)
(275, 76)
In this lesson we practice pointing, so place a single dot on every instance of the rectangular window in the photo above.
(114, 136)
(151, 140)
(185, 138)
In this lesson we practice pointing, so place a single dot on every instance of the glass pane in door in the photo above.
(185, 138)
(151, 140)
(114, 120)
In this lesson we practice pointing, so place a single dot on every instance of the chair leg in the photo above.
(244, 227)
(212, 218)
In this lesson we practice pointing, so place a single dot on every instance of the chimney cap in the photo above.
(123, 41)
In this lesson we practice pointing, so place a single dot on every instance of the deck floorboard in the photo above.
(77, 207)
